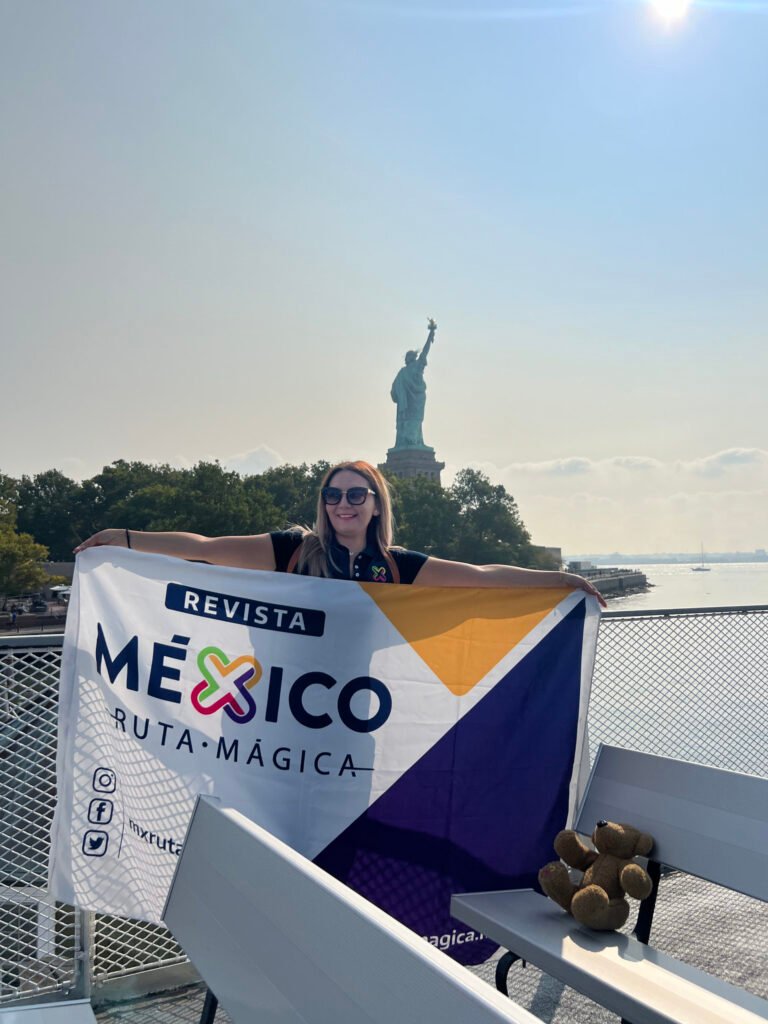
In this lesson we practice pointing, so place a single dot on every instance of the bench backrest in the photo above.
(76, 1011)
(706, 821)
(278, 939)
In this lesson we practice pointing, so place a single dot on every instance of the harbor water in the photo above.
(678, 586)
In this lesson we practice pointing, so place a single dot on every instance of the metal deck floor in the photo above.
(182, 1007)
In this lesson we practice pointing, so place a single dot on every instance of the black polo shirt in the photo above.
(368, 566)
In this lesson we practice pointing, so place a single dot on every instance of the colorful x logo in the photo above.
(232, 678)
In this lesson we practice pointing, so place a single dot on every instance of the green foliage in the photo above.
(474, 520)
(294, 491)
(212, 501)
(20, 558)
(490, 528)
(115, 492)
(45, 505)
(9, 496)
(542, 559)
(426, 516)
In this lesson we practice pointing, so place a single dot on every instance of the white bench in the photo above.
(282, 942)
(74, 1011)
(705, 821)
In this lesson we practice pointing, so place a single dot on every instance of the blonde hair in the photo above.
(316, 546)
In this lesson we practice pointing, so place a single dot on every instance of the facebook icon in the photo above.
(100, 811)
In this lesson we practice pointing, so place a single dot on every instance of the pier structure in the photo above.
(611, 582)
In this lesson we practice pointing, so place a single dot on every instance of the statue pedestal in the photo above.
(410, 462)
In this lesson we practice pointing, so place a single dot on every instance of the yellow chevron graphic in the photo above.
(462, 632)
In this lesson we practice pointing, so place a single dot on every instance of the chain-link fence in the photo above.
(687, 684)
(40, 940)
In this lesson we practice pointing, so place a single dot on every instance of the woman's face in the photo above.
(350, 520)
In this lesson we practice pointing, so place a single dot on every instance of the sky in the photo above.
(224, 224)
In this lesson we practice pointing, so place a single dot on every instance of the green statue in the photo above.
(409, 392)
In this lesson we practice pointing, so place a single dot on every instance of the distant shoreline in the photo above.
(688, 558)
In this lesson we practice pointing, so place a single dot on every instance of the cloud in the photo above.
(641, 503)
(715, 465)
(247, 463)
(729, 459)
(254, 461)
(633, 463)
(579, 465)
(555, 467)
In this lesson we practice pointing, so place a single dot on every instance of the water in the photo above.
(678, 586)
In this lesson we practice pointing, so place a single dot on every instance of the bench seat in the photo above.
(706, 822)
(624, 975)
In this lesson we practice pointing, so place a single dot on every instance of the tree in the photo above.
(263, 514)
(9, 496)
(154, 507)
(21, 570)
(426, 516)
(293, 490)
(46, 503)
(110, 498)
(490, 528)
(212, 501)
(121, 479)
(473, 520)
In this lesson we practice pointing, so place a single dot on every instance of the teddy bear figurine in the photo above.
(598, 901)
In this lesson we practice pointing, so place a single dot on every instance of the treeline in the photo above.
(473, 520)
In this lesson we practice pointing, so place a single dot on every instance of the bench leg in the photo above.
(210, 1006)
(502, 970)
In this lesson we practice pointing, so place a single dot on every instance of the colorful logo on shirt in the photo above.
(225, 684)
(379, 573)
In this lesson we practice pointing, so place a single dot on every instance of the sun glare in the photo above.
(671, 10)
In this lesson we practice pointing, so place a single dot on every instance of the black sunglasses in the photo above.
(355, 495)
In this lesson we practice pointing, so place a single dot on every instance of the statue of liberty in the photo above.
(409, 392)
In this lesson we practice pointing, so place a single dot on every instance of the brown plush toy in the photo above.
(598, 900)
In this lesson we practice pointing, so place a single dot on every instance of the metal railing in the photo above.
(691, 684)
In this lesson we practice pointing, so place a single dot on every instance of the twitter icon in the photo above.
(95, 843)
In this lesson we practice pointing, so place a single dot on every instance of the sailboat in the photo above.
(701, 567)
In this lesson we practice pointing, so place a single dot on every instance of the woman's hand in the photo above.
(570, 579)
(115, 538)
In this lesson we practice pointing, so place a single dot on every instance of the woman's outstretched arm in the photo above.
(439, 572)
(255, 552)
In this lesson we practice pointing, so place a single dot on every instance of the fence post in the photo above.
(84, 955)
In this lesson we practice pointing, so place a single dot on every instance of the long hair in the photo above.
(316, 548)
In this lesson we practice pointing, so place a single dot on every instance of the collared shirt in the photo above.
(367, 567)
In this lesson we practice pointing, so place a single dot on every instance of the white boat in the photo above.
(701, 567)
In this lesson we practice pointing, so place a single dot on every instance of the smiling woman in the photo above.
(352, 539)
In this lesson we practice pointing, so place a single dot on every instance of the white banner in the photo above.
(412, 741)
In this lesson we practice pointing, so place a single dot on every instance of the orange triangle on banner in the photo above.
(462, 632)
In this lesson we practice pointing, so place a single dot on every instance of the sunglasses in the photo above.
(355, 495)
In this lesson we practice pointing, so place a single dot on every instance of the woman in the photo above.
(352, 540)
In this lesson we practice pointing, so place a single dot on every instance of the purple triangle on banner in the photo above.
(480, 810)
